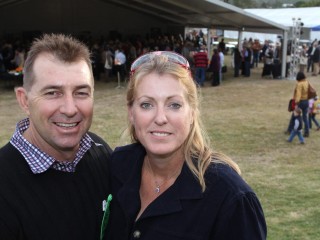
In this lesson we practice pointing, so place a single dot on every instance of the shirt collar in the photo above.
(40, 161)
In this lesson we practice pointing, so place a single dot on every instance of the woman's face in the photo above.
(161, 114)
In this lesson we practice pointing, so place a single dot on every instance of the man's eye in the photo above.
(52, 93)
(146, 105)
(82, 94)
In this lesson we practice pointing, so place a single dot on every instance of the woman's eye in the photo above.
(146, 105)
(175, 105)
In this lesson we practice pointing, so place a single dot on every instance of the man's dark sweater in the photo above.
(54, 204)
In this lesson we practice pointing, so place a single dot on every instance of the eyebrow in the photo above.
(61, 87)
(152, 98)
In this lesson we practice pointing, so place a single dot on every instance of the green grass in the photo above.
(246, 119)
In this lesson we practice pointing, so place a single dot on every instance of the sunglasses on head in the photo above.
(172, 57)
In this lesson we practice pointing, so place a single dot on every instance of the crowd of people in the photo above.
(107, 53)
(270, 55)
(112, 57)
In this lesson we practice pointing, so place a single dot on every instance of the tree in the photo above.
(245, 3)
(313, 3)
(299, 4)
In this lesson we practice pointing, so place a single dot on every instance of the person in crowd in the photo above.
(303, 59)
(19, 57)
(268, 61)
(169, 183)
(222, 45)
(246, 59)
(263, 50)
(314, 109)
(297, 126)
(120, 63)
(132, 52)
(96, 61)
(237, 58)
(316, 59)
(53, 172)
(256, 48)
(221, 55)
(8, 54)
(300, 96)
(188, 51)
(215, 67)
(108, 65)
(201, 64)
(310, 53)
(276, 66)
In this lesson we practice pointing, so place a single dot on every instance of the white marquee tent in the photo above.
(310, 17)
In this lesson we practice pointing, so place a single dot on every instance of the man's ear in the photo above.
(22, 98)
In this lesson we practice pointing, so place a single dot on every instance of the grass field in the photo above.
(246, 119)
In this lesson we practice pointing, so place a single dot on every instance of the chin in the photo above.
(69, 144)
(162, 151)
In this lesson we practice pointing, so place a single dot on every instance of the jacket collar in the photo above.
(186, 187)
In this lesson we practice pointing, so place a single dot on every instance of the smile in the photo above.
(66, 125)
(160, 134)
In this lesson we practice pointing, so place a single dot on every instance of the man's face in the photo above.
(59, 105)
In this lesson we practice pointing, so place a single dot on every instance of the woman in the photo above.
(303, 59)
(169, 184)
(300, 96)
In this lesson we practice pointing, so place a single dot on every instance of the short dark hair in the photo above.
(63, 47)
(300, 76)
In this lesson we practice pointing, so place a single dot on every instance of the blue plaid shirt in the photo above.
(40, 161)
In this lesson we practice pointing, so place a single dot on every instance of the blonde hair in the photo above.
(196, 148)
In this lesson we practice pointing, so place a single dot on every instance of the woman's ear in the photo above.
(130, 115)
(22, 98)
(192, 117)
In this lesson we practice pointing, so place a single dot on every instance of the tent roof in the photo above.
(309, 16)
(202, 13)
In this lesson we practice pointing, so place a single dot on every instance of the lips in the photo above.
(67, 125)
(160, 134)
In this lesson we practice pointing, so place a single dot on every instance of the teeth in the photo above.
(66, 124)
(160, 134)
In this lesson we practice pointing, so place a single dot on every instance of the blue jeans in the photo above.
(247, 69)
(304, 105)
(255, 59)
(200, 75)
(312, 118)
(294, 133)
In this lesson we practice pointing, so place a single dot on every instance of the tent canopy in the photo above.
(191, 13)
(202, 13)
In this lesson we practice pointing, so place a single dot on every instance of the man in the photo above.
(222, 45)
(201, 64)
(120, 63)
(53, 173)
(256, 47)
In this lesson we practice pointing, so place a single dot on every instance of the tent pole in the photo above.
(284, 54)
